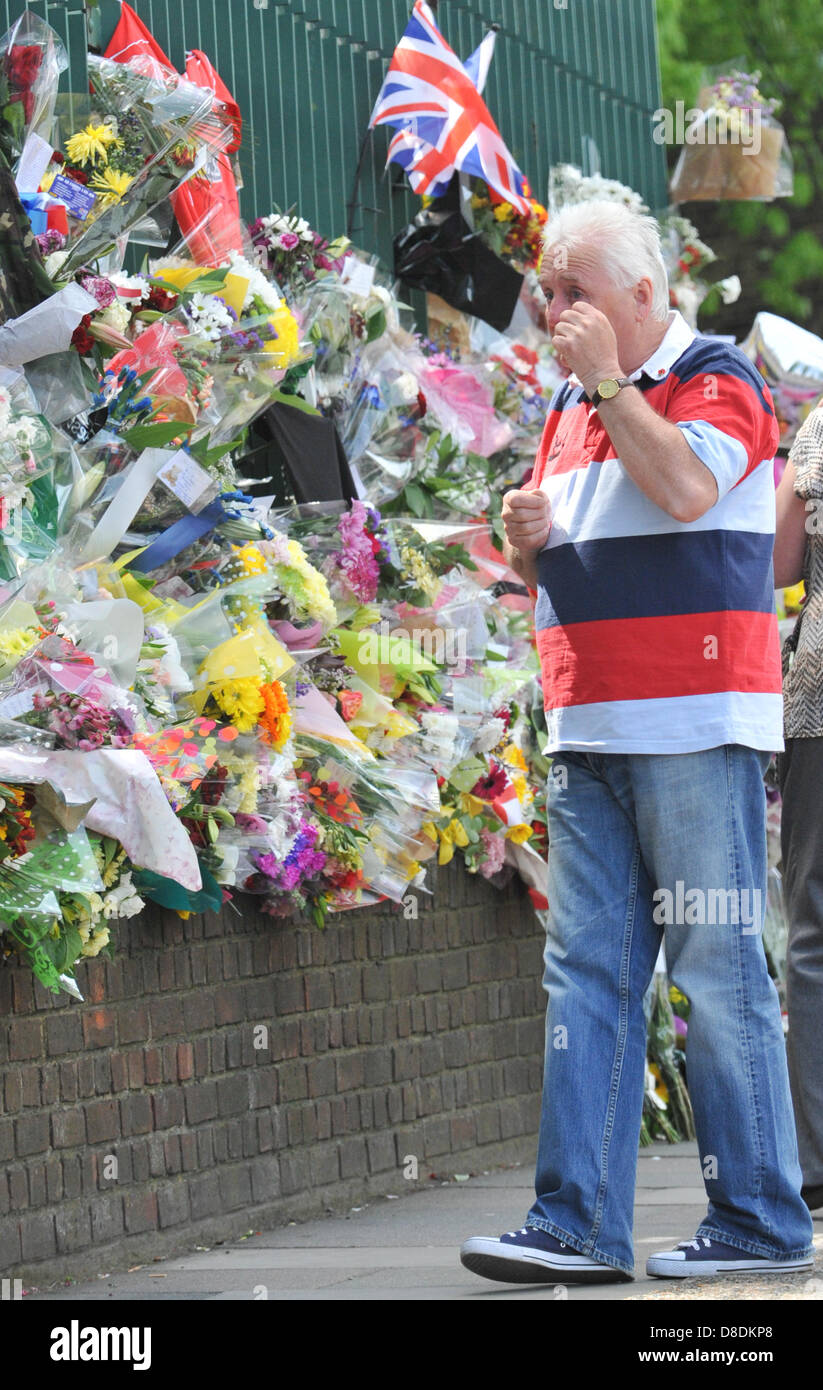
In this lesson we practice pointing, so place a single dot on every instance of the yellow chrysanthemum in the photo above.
(503, 212)
(111, 184)
(286, 346)
(240, 700)
(92, 145)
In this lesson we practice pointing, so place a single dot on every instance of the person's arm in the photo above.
(653, 450)
(791, 535)
(656, 456)
(527, 521)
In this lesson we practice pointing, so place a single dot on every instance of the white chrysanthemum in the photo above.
(259, 286)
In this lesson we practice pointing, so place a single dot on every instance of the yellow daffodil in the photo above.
(451, 835)
(471, 805)
(111, 185)
(92, 145)
(518, 833)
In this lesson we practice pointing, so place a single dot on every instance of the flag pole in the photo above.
(353, 201)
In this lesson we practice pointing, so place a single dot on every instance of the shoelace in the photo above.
(695, 1244)
(524, 1231)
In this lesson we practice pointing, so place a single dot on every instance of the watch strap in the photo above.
(621, 381)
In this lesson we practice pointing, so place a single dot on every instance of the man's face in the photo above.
(567, 279)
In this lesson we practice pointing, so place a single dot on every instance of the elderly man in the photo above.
(646, 531)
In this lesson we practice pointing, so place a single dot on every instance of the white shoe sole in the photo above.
(511, 1264)
(666, 1267)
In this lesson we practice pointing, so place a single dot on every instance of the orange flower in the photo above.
(276, 719)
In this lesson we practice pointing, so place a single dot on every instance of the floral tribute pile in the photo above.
(204, 694)
(208, 695)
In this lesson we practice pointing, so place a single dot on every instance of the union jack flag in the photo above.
(442, 120)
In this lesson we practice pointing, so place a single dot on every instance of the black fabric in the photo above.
(440, 253)
(23, 280)
(298, 452)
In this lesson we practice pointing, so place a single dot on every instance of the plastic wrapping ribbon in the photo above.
(179, 536)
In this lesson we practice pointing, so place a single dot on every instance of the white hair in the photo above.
(627, 244)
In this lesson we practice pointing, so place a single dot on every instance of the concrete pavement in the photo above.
(406, 1248)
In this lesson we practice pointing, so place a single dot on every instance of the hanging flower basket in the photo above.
(735, 149)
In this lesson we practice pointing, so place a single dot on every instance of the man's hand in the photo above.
(527, 519)
(585, 341)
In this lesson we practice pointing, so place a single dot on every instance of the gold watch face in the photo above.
(608, 388)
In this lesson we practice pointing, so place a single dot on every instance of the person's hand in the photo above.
(585, 342)
(527, 518)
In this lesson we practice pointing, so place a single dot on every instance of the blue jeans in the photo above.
(622, 827)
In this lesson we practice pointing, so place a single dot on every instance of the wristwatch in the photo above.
(609, 388)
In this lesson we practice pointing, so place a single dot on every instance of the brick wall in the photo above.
(230, 1071)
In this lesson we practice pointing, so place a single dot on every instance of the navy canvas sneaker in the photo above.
(705, 1257)
(532, 1256)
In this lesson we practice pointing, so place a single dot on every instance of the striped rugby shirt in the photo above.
(655, 635)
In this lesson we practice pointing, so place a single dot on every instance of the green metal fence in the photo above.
(574, 81)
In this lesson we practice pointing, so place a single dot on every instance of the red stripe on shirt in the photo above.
(659, 658)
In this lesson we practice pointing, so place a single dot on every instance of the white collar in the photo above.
(675, 341)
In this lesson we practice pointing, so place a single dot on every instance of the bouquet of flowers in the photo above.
(146, 134)
(512, 236)
(292, 253)
(735, 149)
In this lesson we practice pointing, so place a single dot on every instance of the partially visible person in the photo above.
(798, 554)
